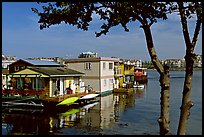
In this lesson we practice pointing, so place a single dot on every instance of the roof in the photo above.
(42, 62)
(94, 59)
(56, 71)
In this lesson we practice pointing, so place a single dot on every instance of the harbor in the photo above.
(73, 95)
(102, 68)
(52, 82)
(114, 114)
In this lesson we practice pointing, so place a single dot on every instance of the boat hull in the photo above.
(141, 79)
(138, 86)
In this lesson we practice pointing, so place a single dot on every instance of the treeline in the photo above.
(149, 65)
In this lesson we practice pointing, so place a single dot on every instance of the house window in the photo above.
(40, 83)
(87, 66)
(22, 67)
(104, 65)
(119, 71)
(16, 68)
(76, 81)
(104, 82)
(110, 65)
(111, 81)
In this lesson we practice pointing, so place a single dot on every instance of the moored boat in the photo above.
(137, 85)
(23, 106)
(89, 96)
(140, 75)
(68, 101)
(25, 103)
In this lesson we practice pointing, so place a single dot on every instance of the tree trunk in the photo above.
(163, 120)
(165, 94)
(189, 59)
(186, 101)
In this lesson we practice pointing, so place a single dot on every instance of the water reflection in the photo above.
(90, 119)
(140, 92)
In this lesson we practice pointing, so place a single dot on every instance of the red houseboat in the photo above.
(140, 75)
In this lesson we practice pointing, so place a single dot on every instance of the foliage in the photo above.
(80, 14)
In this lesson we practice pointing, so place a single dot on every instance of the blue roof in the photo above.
(42, 62)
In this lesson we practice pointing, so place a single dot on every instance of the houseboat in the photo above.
(99, 71)
(140, 75)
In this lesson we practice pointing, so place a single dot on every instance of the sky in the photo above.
(22, 37)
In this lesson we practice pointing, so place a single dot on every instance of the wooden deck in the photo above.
(17, 94)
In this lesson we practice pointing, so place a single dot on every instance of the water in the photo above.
(135, 113)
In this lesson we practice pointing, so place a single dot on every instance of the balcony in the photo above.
(129, 72)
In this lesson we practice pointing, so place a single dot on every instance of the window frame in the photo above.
(16, 68)
(87, 65)
(104, 65)
(104, 82)
(110, 66)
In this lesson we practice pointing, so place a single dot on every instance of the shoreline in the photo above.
(177, 69)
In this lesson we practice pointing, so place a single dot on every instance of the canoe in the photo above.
(68, 101)
(89, 96)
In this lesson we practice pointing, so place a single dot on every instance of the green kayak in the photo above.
(68, 101)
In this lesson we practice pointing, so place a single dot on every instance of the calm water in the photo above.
(135, 113)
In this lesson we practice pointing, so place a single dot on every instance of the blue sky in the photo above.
(21, 37)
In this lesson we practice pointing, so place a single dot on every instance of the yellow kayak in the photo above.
(68, 101)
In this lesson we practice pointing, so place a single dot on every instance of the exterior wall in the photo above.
(129, 73)
(116, 84)
(50, 83)
(20, 64)
(64, 83)
(91, 76)
(121, 79)
(29, 72)
(107, 76)
(70, 82)
(106, 71)
(129, 70)
(107, 84)
(94, 83)
(80, 66)
(97, 74)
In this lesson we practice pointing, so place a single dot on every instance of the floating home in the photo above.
(45, 77)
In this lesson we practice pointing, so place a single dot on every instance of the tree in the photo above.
(186, 10)
(117, 13)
